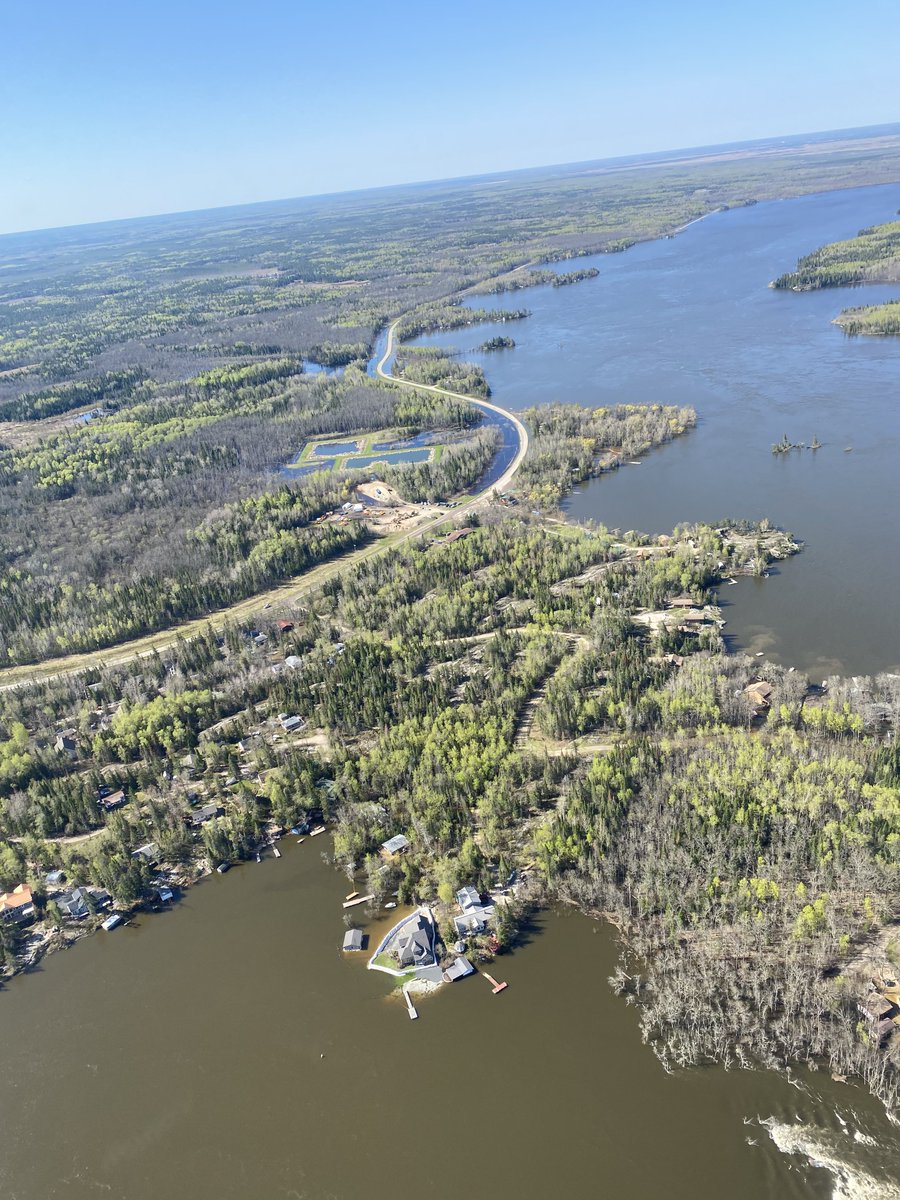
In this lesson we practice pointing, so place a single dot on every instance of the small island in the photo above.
(496, 343)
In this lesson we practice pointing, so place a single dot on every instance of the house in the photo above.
(458, 533)
(284, 626)
(100, 897)
(66, 744)
(458, 969)
(472, 922)
(292, 662)
(148, 852)
(353, 940)
(467, 899)
(165, 894)
(201, 815)
(76, 903)
(111, 801)
(394, 846)
(290, 724)
(759, 694)
(17, 906)
(414, 944)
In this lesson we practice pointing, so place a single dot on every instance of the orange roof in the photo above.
(17, 898)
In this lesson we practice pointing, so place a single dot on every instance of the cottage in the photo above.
(458, 969)
(284, 626)
(353, 940)
(65, 743)
(55, 878)
(458, 533)
(290, 724)
(759, 694)
(164, 894)
(394, 846)
(414, 944)
(76, 903)
(149, 852)
(111, 801)
(207, 813)
(17, 906)
(468, 898)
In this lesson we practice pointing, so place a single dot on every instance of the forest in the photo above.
(503, 700)
(873, 256)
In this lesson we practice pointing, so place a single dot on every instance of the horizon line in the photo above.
(622, 161)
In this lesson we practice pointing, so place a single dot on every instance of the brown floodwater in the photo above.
(227, 1049)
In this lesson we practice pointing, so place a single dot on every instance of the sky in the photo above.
(131, 108)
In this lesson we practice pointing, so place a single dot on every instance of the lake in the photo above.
(227, 1049)
(691, 320)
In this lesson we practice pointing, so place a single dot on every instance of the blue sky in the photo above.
(128, 108)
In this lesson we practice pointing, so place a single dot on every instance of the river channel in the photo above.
(225, 1050)
(691, 320)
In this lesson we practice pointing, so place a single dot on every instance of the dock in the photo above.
(495, 986)
(358, 900)
(276, 851)
(316, 832)
(351, 896)
(411, 1008)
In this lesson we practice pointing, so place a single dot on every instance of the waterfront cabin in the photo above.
(164, 894)
(75, 904)
(394, 846)
(353, 940)
(458, 969)
(17, 906)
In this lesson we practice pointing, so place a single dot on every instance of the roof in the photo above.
(353, 940)
(458, 969)
(468, 898)
(458, 533)
(19, 897)
(396, 843)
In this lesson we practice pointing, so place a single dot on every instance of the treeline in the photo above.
(108, 389)
(874, 320)
(446, 315)
(873, 256)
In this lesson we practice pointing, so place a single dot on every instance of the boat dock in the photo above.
(411, 1008)
(358, 900)
(495, 986)
(276, 851)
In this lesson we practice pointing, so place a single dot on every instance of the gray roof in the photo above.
(397, 842)
(468, 898)
(458, 969)
(353, 939)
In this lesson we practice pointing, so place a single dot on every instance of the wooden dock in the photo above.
(411, 1008)
(351, 896)
(276, 851)
(316, 832)
(495, 986)
(358, 900)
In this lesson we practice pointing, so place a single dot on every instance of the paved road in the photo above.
(157, 643)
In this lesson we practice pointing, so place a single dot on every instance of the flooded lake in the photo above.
(692, 321)
(225, 1049)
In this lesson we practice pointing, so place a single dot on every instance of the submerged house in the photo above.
(353, 940)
